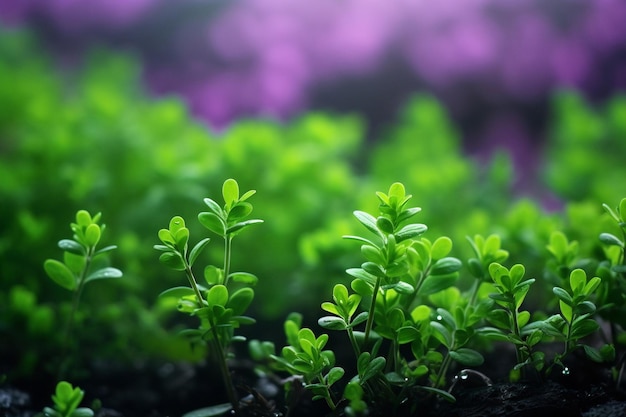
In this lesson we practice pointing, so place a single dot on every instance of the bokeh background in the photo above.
(499, 117)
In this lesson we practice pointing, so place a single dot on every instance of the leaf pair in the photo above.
(79, 252)
(66, 401)
(228, 220)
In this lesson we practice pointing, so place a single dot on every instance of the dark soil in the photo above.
(147, 389)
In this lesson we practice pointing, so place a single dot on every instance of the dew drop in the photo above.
(439, 318)
(464, 376)
(565, 371)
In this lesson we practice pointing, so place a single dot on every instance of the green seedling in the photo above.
(305, 356)
(574, 321)
(66, 402)
(612, 292)
(511, 290)
(77, 267)
(221, 302)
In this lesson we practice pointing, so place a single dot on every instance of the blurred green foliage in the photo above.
(90, 137)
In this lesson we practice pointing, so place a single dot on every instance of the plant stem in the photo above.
(75, 302)
(226, 378)
(228, 243)
(355, 345)
(193, 283)
(442, 371)
(370, 317)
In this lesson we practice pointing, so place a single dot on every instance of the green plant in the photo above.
(574, 321)
(79, 266)
(511, 290)
(219, 305)
(66, 402)
(397, 289)
(305, 356)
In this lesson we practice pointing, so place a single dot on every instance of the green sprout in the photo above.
(574, 321)
(75, 271)
(511, 290)
(66, 402)
(218, 305)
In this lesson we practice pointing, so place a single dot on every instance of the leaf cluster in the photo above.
(66, 402)
(73, 272)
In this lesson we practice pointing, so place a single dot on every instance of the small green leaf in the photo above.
(92, 234)
(353, 391)
(230, 191)
(238, 226)
(397, 190)
(214, 207)
(334, 375)
(384, 225)
(239, 211)
(407, 334)
(176, 223)
(402, 287)
(591, 286)
(172, 260)
(212, 222)
(166, 237)
(435, 283)
(71, 246)
(374, 367)
(360, 318)
(181, 237)
(217, 295)
(475, 268)
(368, 221)
(83, 218)
(410, 231)
(446, 266)
(522, 318)
(577, 279)
(83, 412)
(60, 274)
(364, 289)
(442, 334)
(244, 278)
(467, 357)
(197, 249)
(240, 300)
(441, 247)
(583, 327)
(566, 311)
(213, 275)
(105, 249)
(611, 239)
(563, 295)
(331, 308)
(104, 273)
(332, 323)
(534, 337)
(443, 394)
(373, 254)
(177, 292)
(213, 411)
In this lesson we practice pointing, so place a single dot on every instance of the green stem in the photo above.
(370, 317)
(355, 345)
(444, 368)
(75, 302)
(223, 365)
(228, 243)
(473, 296)
(516, 331)
(194, 284)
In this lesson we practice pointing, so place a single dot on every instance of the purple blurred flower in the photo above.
(269, 57)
